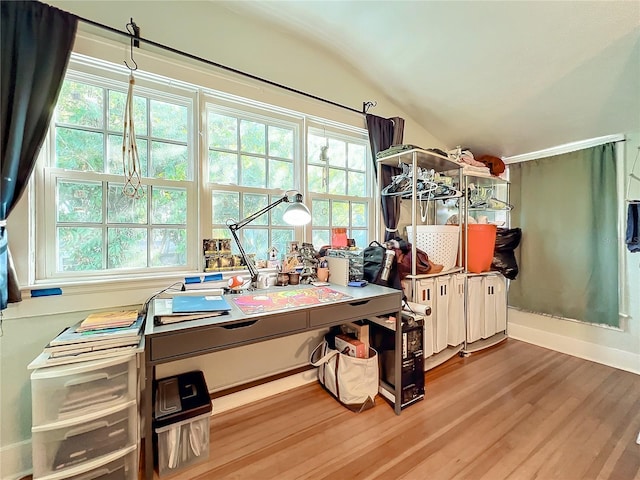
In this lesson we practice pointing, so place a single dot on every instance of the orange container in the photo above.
(482, 242)
(339, 237)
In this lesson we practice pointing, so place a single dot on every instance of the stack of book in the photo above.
(99, 335)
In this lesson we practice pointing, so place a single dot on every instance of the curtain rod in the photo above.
(365, 105)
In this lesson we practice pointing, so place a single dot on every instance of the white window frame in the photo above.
(355, 136)
(46, 176)
(199, 222)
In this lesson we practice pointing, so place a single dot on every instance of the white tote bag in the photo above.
(352, 381)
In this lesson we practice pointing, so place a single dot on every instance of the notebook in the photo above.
(199, 303)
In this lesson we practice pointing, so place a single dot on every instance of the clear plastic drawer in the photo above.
(67, 448)
(120, 465)
(74, 390)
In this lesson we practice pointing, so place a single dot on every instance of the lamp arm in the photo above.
(253, 271)
(259, 213)
(234, 227)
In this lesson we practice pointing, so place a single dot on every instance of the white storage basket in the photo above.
(440, 242)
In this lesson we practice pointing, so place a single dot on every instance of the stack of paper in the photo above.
(102, 320)
(75, 345)
(189, 307)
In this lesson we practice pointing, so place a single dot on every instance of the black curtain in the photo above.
(384, 132)
(36, 43)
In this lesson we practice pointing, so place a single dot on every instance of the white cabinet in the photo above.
(435, 293)
(85, 420)
(456, 334)
(486, 311)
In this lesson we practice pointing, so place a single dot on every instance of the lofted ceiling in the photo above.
(501, 78)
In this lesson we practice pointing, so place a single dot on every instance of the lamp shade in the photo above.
(297, 213)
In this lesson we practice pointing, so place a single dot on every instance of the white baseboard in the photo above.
(15, 460)
(572, 346)
(259, 392)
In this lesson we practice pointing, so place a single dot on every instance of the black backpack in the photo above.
(374, 256)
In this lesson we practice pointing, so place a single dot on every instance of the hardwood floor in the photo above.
(514, 412)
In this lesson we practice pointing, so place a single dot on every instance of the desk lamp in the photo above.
(296, 214)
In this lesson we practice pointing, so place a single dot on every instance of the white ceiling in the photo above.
(502, 78)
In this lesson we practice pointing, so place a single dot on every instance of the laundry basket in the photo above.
(439, 241)
(482, 242)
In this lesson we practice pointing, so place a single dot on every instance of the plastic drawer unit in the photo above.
(64, 446)
(85, 420)
(124, 467)
(76, 389)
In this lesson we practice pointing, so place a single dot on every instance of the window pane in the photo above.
(79, 150)
(223, 132)
(278, 212)
(114, 155)
(320, 213)
(281, 142)
(321, 238)
(314, 144)
(357, 156)
(169, 161)
(340, 214)
(224, 206)
(222, 233)
(168, 121)
(223, 168)
(79, 249)
(168, 247)
(361, 238)
(315, 179)
(80, 104)
(256, 241)
(254, 172)
(280, 239)
(280, 174)
(79, 201)
(337, 153)
(252, 204)
(252, 137)
(357, 184)
(127, 247)
(116, 112)
(124, 209)
(358, 214)
(337, 181)
(169, 206)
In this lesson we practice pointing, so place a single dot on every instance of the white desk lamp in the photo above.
(296, 214)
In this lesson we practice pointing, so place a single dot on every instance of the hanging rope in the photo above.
(130, 159)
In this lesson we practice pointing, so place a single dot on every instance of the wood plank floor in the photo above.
(515, 412)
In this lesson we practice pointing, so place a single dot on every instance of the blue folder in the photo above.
(199, 303)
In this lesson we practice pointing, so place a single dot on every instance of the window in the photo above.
(251, 163)
(338, 173)
(207, 159)
(94, 228)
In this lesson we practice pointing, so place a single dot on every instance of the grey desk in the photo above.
(167, 343)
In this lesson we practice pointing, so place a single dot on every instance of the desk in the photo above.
(168, 343)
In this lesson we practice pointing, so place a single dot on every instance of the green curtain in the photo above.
(566, 206)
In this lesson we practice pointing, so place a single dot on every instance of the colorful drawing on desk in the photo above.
(285, 299)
